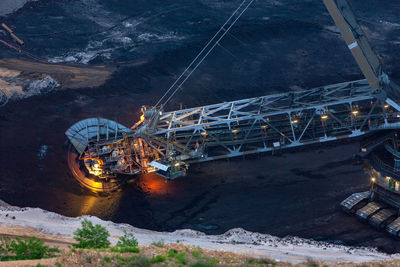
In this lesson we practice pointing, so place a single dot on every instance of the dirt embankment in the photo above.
(20, 78)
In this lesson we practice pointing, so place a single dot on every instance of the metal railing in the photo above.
(384, 168)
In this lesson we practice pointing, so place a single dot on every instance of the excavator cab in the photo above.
(169, 170)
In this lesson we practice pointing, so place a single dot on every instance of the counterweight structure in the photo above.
(167, 142)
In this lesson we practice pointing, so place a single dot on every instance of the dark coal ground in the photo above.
(277, 46)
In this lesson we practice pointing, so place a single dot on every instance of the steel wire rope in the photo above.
(204, 49)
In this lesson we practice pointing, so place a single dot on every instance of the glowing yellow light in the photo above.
(176, 164)
(295, 121)
(324, 117)
(235, 131)
(355, 112)
(203, 133)
(387, 178)
(373, 179)
(264, 127)
(386, 106)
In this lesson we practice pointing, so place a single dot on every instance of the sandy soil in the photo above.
(20, 78)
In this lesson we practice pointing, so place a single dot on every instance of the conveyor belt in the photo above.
(349, 203)
(394, 227)
(368, 210)
(381, 216)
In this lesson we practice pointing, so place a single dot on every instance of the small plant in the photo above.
(202, 264)
(125, 249)
(127, 240)
(107, 259)
(121, 260)
(39, 265)
(311, 263)
(159, 243)
(196, 253)
(171, 253)
(158, 258)
(5, 245)
(91, 236)
(58, 264)
(181, 258)
(260, 262)
(140, 261)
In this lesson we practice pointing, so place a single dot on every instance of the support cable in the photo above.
(186, 73)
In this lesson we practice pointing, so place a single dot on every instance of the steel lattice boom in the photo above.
(167, 142)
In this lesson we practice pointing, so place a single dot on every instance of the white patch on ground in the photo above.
(18, 87)
(291, 249)
(45, 85)
(113, 34)
(392, 24)
(149, 37)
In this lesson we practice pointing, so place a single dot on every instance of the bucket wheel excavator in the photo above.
(103, 152)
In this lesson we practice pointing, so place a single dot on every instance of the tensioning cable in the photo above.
(201, 56)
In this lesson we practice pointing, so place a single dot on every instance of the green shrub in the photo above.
(260, 262)
(121, 260)
(202, 264)
(171, 253)
(30, 248)
(196, 253)
(181, 258)
(107, 259)
(5, 245)
(58, 264)
(127, 240)
(125, 249)
(158, 258)
(159, 243)
(139, 261)
(91, 236)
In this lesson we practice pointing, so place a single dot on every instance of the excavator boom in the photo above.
(356, 41)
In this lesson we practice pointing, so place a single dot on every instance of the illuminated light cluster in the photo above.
(386, 106)
(324, 117)
(235, 131)
(295, 121)
(355, 112)
(373, 179)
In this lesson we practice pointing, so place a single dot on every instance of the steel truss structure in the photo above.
(237, 128)
(273, 122)
(167, 142)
